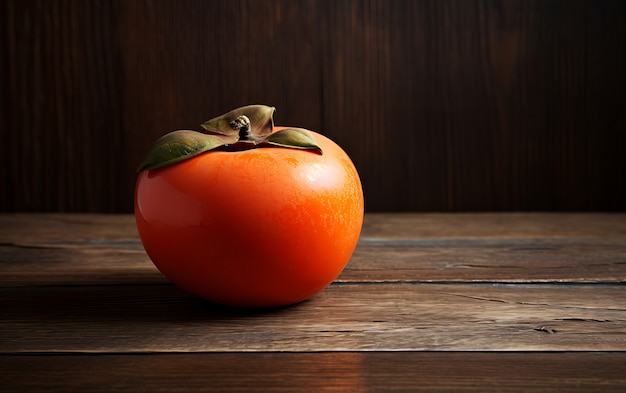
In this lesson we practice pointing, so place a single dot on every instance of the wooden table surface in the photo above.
(445, 302)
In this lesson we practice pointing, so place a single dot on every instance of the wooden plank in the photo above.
(98, 249)
(455, 260)
(493, 225)
(42, 228)
(49, 229)
(109, 263)
(355, 317)
(498, 247)
(318, 372)
(489, 260)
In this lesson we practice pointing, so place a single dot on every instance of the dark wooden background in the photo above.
(443, 105)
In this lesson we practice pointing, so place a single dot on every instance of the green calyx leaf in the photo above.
(295, 138)
(241, 129)
(181, 145)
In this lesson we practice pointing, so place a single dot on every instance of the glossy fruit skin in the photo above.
(263, 227)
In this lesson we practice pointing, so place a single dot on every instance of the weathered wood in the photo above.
(475, 260)
(489, 260)
(493, 225)
(318, 372)
(354, 317)
(50, 229)
(42, 228)
(100, 249)
(419, 307)
(68, 264)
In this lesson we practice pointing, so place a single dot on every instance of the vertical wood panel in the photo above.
(605, 177)
(61, 121)
(443, 105)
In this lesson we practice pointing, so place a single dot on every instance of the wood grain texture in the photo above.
(476, 261)
(83, 309)
(443, 105)
(28, 229)
(357, 317)
(318, 372)
(417, 248)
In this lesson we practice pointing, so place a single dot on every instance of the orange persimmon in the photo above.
(264, 216)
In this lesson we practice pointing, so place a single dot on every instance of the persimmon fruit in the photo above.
(248, 214)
